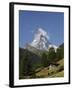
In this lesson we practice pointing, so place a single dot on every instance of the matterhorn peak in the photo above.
(40, 40)
(42, 32)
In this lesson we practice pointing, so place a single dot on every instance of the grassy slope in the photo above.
(58, 74)
(53, 73)
(43, 72)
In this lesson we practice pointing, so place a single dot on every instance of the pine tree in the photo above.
(51, 55)
(60, 53)
(44, 59)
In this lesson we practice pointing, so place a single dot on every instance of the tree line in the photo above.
(51, 56)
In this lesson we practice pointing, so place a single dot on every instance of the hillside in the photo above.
(41, 64)
(34, 58)
(27, 60)
(54, 71)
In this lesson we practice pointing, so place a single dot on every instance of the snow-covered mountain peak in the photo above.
(41, 41)
(41, 32)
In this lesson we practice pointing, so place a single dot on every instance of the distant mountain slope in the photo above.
(34, 59)
(62, 45)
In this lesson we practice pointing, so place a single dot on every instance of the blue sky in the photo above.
(51, 22)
